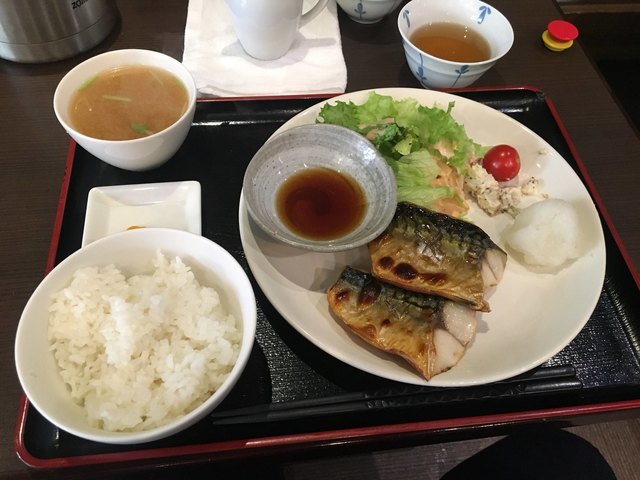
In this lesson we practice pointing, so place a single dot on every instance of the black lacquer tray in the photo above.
(292, 395)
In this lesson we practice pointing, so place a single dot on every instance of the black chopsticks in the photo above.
(542, 380)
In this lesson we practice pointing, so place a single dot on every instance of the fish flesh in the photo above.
(431, 333)
(430, 252)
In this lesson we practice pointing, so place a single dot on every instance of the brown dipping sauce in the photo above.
(320, 204)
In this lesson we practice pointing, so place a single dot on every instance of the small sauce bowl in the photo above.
(311, 148)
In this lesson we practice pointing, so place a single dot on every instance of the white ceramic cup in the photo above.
(267, 28)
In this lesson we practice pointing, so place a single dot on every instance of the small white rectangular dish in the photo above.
(117, 208)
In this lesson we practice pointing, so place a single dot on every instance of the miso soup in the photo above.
(451, 41)
(127, 102)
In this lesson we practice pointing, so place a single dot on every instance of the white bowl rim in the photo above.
(491, 60)
(249, 325)
(191, 91)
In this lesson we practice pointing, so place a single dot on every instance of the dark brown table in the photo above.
(33, 146)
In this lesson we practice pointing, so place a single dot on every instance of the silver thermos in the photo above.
(35, 31)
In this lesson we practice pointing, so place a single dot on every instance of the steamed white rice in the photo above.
(142, 351)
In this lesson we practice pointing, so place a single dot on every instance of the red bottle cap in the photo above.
(562, 31)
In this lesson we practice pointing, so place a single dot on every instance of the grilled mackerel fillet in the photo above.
(431, 333)
(430, 252)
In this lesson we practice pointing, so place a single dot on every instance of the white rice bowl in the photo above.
(97, 354)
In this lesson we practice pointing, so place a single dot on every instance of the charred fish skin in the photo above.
(430, 252)
(401, 322)
(400, 301)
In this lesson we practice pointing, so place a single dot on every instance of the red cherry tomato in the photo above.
(502, 161)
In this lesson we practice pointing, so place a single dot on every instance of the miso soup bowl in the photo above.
(141, 153)
(436, 73)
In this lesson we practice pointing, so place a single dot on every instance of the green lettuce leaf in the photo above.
(410, 136)
(415, 174)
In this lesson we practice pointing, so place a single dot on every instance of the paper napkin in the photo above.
(220, 67)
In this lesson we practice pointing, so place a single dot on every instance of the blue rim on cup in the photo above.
(368, 11)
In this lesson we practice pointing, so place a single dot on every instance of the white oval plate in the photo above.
(533, 315)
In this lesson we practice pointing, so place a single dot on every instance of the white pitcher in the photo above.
(267, 28)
